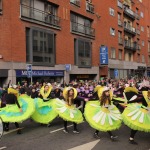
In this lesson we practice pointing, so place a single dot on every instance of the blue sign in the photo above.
(116, 73)
(104, 55)
(40, 73)
(68, 67)
(29, 70)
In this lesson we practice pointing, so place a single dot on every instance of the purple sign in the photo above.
(39, 73)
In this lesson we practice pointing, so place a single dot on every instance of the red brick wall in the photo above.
(12, 30)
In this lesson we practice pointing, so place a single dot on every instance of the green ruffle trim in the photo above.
(135, 124)
(11, 113)
(91, 111)
(119, 99)
(44, 111)
(78, 117)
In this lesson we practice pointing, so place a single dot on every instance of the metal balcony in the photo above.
(82, 29)
(33, 14)
(120, 23)
(128, 28)
(90, 7)
(133, 46)
(120, 5)
(75, 2)
(120, 41)
(129, 12)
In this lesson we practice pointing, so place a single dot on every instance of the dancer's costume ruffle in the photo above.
(137, 116)
(11, 113)
(44, 111)
(68, 113)
(102, 118)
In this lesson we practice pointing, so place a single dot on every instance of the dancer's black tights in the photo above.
(109, 132)
(133, 132)
(74, 124)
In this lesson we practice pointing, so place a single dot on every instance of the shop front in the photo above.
(40, 76)
(3, 76)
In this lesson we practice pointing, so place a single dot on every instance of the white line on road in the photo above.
(61, 129)
(4, 147)
(5, 133)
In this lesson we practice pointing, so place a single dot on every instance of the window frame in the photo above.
(112, 33)
(112, 55)
(111, 11)
(1, 6)
(76, 52)
(31, 51)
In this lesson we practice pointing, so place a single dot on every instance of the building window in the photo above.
(148, 59)
(112, 31)
(119, 20)
(40, 12)
(89, 6)
(81, 25)
(138, 58)
(75, 2)
(142, 14)
(142, 28)
(111, 12)
(113, 53)
(0, 6)
(143, 43)
(143, 59)
(149, 46)
(83, 53)
(148, 31)
(40, 47)
(120, 54)
(130, 57)
(120, 40)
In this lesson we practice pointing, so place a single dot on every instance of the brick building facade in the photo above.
(52, 33)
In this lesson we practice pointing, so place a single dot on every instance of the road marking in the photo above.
(4, 147)
(87, 146)
(5, 133)
(61, 128)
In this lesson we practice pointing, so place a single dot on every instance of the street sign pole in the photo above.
(29, 71)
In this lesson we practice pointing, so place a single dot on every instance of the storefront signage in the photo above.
(103, 55)
(39, 73)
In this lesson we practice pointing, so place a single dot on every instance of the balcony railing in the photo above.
(75, 2)
(129, 12)
(89, 7)
(120, 4)
(120, 41)
(130, 45)
(33, 14)
(120, 23)
(128, 28)
(82, 29)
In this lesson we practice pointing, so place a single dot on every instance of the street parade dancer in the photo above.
(102, 115)
(137, 116)
(44, 111)
(67, 110)
(17, 108)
